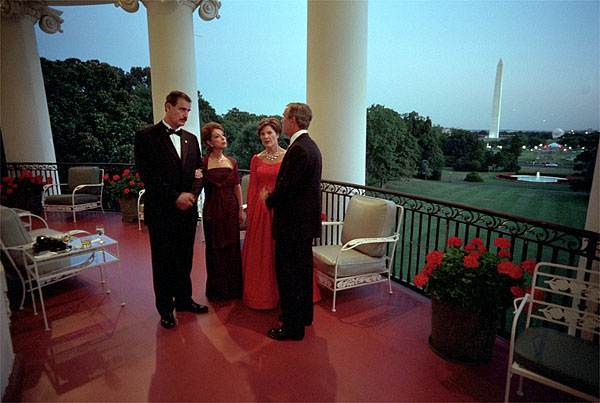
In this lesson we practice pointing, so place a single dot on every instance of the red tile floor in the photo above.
(374, 348)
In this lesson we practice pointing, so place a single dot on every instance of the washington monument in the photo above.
(495, 123)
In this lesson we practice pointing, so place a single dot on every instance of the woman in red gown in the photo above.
(258, 254)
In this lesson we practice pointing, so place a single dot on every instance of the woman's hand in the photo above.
(241, 215)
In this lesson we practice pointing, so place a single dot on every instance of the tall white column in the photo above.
(172, 56)
(336, 85)
(24, 116)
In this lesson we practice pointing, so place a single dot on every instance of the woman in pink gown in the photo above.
(258, 254)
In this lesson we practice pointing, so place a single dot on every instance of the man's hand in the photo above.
(185, 201)
(264, 194)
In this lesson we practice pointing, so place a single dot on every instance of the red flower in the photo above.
(9, 191)
(528, 265)
(517, 291)
(323, 217)
(510, 269)
(469, 248)
(475, 254)
(126, 172)
(137, 175)
(504, 254)
(428, 269)
(502, 243)
(126, 191)
(132, 183)
(470, 261)
(435, 257)
(455, 241)
(116, 177)
(476, 242)
(49, 180)
(105, 177)
(538, 295)
(481, 248)
(421, 279)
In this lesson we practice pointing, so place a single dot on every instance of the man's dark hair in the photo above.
(174, 96)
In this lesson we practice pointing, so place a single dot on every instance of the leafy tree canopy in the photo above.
(391, 151)
(95, 109)
(465, 151)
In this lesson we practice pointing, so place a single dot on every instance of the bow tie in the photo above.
(171, 131)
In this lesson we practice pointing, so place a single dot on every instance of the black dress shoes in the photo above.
(282, 334)
(306, 323)
(167, 320)
(193, 307)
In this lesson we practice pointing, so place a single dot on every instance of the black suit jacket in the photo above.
(164, 174)
(297, 196)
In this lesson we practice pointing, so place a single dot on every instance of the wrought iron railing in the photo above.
(426, 226)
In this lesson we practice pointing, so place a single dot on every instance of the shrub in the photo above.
(473, 177)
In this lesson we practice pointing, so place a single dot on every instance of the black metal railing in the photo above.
(427, 225)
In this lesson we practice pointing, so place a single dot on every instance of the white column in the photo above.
(336, 85)
(24, 116)
(172, 56)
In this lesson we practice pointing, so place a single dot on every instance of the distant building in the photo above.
(558, 132)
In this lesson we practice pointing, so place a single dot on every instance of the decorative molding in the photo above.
(47, 18)
(131, 6)
(209, 9)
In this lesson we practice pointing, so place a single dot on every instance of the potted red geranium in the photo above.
(24, 191)
(470, 287)
(126, 188)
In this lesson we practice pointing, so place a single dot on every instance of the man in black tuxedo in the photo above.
(296, 201)
(168, 160)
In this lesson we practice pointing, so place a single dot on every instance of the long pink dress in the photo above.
(258, 254)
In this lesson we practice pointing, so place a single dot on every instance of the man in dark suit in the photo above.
(168, 160)
(296, 201)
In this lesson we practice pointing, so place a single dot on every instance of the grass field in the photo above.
(547, 202)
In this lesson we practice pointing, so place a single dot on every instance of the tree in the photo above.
(465, 151)
(392, 152)
(95, 109)
(429, 140)
(585, 163)
(206, 112)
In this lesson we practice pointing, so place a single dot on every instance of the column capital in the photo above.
(47, 18)
(207, 9)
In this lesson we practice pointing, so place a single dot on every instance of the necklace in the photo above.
(272, 157)
(218, 160)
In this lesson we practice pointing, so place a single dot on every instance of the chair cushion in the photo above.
(84, 176)
(12, 230)
(560, 357)
(352, 262)
(80, 198)
(369, 217)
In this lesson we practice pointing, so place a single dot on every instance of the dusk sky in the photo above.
(437, 58)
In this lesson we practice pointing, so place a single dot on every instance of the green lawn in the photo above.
(553, 202)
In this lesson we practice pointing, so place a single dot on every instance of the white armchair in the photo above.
(368, 243)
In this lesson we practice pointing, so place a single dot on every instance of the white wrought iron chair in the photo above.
(371, 229)
(83, 192)
(140, 209)
(559, 343)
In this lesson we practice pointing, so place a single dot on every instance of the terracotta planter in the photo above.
(128, 209)
(463, 337)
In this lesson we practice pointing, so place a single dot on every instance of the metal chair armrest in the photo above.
(361, 241)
